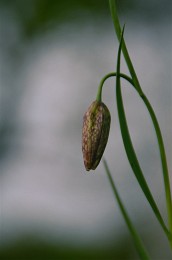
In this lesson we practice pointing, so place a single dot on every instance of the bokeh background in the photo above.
(53, 55)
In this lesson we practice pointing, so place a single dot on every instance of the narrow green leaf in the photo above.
(114, 14)
(136, 239)
(116, 23)
(129, 147)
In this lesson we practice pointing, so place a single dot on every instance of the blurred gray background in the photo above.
(53, 55)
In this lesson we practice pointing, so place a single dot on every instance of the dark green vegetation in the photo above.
(28, 248)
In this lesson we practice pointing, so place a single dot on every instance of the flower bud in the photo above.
(95, 132)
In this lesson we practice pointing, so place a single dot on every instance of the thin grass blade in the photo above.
(129, 146)
(136, 239)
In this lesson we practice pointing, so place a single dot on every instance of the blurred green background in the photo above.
(52, 56)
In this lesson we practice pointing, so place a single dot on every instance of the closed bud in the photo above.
(95, 134)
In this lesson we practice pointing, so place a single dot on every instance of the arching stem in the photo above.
(130, 151)
(111, 74)
(113, 10)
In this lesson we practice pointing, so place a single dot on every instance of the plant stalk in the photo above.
(138, 243)
(113, 10)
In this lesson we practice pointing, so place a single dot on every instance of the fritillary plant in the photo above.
(96, 126)
(95, 134)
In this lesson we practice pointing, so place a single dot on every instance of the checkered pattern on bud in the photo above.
(95, 133)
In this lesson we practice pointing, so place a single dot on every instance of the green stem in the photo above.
(132, 154)
(111, 74)
(138, 243)
(113, 9)
(115, 19)
(164, 164)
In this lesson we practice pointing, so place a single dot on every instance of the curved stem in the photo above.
(113, 10)
(163, 161)
(163, 158)
(111, 74)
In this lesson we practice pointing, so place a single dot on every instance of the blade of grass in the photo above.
(115, 19)
(129, 147)
(136, 239)
(164, 164)
(113, 10)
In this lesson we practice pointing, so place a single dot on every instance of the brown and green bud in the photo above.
(95, 134)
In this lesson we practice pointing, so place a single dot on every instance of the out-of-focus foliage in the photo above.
(29, 248)
(40, 15)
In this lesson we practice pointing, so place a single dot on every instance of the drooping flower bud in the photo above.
(95, 133)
